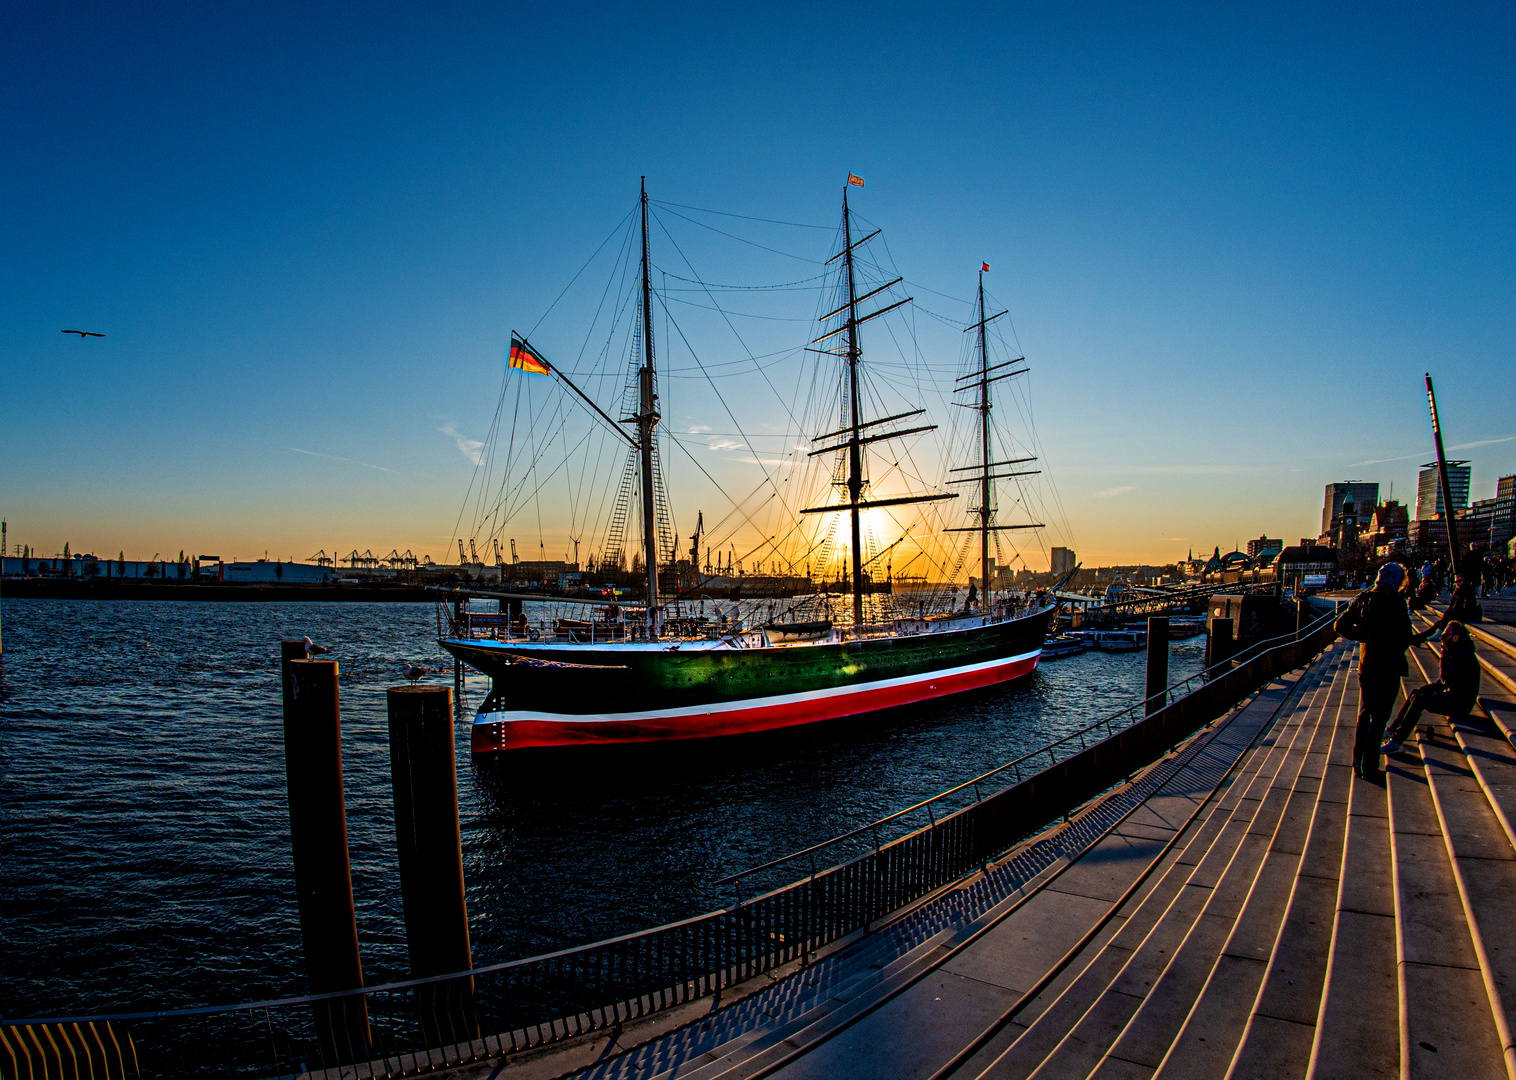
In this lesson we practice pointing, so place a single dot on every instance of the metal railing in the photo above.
(416, 1026)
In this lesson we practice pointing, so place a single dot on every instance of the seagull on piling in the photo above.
(312, 649)
(414, 672)
(82, 333)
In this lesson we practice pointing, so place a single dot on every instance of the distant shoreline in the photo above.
(96, 589)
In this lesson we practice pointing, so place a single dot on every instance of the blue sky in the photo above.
(1231, 242)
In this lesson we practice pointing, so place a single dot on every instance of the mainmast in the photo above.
(855, 439)
(647, 418)
(854, 445)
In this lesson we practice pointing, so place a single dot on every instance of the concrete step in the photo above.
(1310, 836)
(1054, 1017)
(859, 1018)
(1181, 1030)
(1281, 1028)
(1258, 807)
(1484, 869)
(1492, 760)
(1356, 1033)
(1445, 1016)
(1497, 636)
(1502, 714)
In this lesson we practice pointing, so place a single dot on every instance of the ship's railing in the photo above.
(417, 1026)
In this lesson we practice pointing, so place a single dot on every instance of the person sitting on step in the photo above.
(1453, 694)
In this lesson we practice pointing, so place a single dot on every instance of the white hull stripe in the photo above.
(777, 701)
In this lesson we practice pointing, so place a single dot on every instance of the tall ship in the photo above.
(656, 667)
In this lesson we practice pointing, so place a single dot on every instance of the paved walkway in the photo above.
(1245, 908)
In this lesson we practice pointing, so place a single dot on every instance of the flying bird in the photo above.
(82, 333)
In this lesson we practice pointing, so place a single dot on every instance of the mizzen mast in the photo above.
(984, 448)
(980, 380)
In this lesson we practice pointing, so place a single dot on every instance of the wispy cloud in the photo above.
(1428, 453)
(725, 444)
(334, 457)
(770, 462)
(469, 448)
(1111, 493)
(1482, 442)
(1382, 460)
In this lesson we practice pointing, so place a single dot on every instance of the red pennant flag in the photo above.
(985, 267)
(856, 181)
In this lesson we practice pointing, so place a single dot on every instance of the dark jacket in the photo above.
(1378, 620)
(1460, 673)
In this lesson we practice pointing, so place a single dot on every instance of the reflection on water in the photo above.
(144, 831)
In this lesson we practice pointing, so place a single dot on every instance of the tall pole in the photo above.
(984, 445)
(854, 444)
(647, 418)
(1442, 477)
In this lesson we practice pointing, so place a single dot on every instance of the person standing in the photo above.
(1377, 619)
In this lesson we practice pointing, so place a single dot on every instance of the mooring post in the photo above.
(318, 842)
(1219, 646)
(1158, 663)
(423, 769)
(460, 629)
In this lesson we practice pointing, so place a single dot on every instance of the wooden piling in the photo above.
(460, 629)
(1158, 663)
(318, 842)
(423, 769)
(1219, 644)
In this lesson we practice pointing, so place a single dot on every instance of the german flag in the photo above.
(522, 357)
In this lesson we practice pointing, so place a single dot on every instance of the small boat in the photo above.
(1182, 628)
(1055, 648)
(1120, 640)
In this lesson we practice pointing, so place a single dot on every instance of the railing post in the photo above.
(423, 770)
(318, 843)
(1158, 662)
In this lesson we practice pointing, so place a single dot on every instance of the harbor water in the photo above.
(144, 832)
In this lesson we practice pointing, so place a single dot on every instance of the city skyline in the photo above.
(307, 240)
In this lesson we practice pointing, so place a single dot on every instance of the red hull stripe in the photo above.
(496, 731)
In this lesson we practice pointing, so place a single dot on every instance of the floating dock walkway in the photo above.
(1243, 908)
